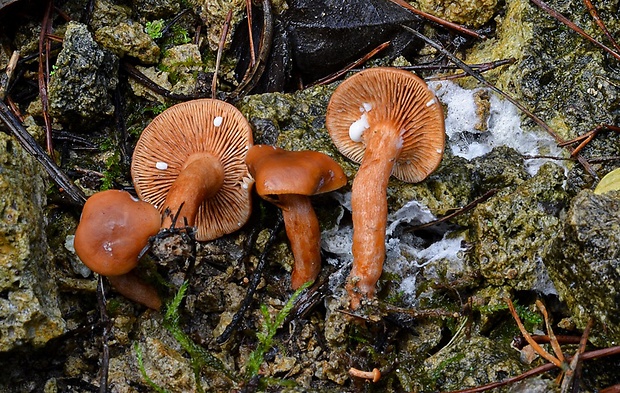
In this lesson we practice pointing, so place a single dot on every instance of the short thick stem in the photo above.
(134, 288)
(201, 178)
(304, 235)
(369, 210)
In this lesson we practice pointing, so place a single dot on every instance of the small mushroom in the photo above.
(190, 161)
(288, 179)
(114, 229)
(374, 375)
(391, 122)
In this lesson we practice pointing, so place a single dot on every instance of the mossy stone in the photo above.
(584, 263)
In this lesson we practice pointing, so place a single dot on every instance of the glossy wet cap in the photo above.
(277, 171)
(113, 230)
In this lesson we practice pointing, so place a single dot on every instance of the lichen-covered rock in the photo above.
(470, 12)
(84, 78)
(116, 30)
(512, 232)
(584, 262)
(213, 14)
(156, 9)
(129, 39)
(471, 362)
(29, 312)
(183, 63)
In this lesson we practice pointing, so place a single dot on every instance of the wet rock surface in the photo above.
(440, 320)
(585, 261)
(29, 311)
(84, 79)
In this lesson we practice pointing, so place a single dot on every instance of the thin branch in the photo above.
(552, 340)
(539, 370)
(105, 336)
(254, 73)
(220, 49)
(65, 184)
(600, 23)
(148, 83)
(545, 7)
(439, 21)
(249, 296)
(248, 8)
(460, 211)
(539, 350)
(521, 107)
(43, 76)
(332, 77)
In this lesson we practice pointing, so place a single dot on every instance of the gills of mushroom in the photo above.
(389, 121)
(190, 163)
(201, 177)
(288, 179)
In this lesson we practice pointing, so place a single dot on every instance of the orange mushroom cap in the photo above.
(277, 172)
(288, 179)
(185, 136)
(400, 99)
(113, 230)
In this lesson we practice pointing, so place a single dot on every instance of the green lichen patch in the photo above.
(512, 232)
(584, 263)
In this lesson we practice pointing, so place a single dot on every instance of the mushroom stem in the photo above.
(202, 176)
(134, 288)
(373, 375)
(304, 234)
(369, 210)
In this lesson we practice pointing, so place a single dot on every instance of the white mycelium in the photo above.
(503, 126)
(358, 127)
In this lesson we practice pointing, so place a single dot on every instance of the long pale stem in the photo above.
(201, 178)
(304, 235)
(369, 210)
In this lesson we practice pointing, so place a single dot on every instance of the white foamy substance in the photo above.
(504, 127)
(406, 254)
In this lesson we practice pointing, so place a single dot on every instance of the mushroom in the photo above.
(391, 122)
(114, 229)
(288, 179)
(189, 163)
(374, 375)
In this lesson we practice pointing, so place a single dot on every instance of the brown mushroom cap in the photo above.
(277, 171)
(397, 97)
(113, 230)
(197, 126)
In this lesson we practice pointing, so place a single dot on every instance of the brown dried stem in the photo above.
(332, 77)
(220, 49)
(540, 350)
(545, 7)
(600, 23)
(438, 20)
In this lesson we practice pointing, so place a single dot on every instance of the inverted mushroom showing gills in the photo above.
(114, 229)
(389, 121)
(288, 179)
(190, 163)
